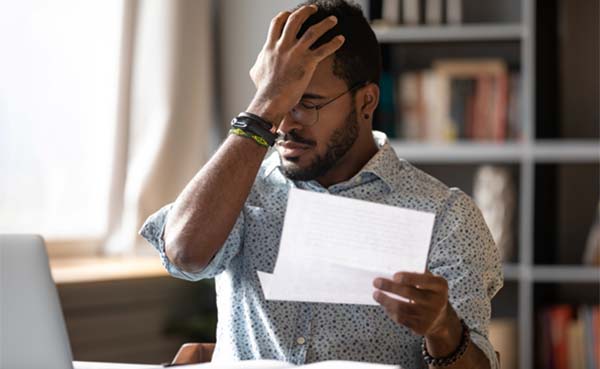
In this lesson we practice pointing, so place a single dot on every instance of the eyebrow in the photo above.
(311, 96)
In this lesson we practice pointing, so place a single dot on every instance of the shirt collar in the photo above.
(272, 162)
(384, 164)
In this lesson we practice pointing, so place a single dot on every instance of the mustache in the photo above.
(292, 136)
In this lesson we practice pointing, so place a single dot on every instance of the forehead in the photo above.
(324, 81)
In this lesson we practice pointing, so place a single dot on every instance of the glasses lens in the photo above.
(303, 115)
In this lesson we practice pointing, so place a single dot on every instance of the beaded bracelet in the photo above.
(450, 359)
(258, 139)
(254, 126)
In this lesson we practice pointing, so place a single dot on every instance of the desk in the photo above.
(251, 364)
(98, 365)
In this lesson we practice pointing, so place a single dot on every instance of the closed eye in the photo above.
(307, 105)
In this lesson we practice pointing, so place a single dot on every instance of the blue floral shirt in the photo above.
(249, 327)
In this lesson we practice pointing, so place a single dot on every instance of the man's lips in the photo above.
(289, 148)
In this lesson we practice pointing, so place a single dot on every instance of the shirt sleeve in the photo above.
(154, 228)
(464, 253)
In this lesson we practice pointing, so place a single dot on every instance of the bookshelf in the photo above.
(557, 146)
(470, 32)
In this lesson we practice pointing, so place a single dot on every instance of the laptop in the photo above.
(32, 328)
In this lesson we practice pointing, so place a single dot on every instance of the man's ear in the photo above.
(367, 100)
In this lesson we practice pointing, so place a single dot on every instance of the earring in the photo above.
(366, 116)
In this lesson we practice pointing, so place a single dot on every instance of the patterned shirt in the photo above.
(250, 327)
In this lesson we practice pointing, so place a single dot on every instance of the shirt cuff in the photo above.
(486, 347)
(153, 231)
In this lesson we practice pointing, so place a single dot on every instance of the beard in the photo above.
(340, 142)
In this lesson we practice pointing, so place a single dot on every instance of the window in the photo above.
(58, 110)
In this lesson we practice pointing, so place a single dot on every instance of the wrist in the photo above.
(268, 109)
(454, 357)
(444, 339)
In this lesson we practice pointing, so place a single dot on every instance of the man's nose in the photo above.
(288, 124)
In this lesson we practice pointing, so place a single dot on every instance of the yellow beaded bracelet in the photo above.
(240, 132)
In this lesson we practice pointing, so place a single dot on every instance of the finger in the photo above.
(276, 28)
(188, 353)
(422, 281)
(398, 310)
(313, 33)
(329, 48)
(409, 292)
(295, 21)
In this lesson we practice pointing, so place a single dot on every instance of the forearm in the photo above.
(206, 210)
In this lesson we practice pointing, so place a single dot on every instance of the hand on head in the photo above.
(286, 64)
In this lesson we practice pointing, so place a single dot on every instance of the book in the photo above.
(560, 316)
(411, 12)
(585, 315)
(566, 340)
(514, 112)
(575, 345)
(595, 342)
(435, 108)
(409, 92)
(433, 11)
(384, 119)
(461, 90)
(591, 255)
(390, 12)
(454, 11)
(500, 108)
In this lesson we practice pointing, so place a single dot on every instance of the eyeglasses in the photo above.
(307, 114)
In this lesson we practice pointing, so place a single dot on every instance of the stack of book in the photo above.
(458, 99)
(415, 12)
(569, 338)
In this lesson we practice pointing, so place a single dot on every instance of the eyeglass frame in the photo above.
(322, 105)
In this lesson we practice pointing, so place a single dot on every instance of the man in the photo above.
(316, 85)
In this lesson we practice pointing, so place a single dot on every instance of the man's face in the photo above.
(309, 152)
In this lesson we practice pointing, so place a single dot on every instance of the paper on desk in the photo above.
(333, 247)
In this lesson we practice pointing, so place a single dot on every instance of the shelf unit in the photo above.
(509, 152)
(471, 32)
(525, 154)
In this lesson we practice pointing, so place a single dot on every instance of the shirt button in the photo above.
(301, 341)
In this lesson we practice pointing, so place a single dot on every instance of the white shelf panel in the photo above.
(512, 272)
(566, 151)
(509, 152)
(448, 33)
(565, 273)
(459, 152)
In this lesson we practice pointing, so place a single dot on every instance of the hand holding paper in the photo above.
(332, 248)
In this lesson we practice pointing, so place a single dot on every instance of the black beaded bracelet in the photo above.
(450, 359)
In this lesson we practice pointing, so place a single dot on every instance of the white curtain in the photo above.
(166, 118)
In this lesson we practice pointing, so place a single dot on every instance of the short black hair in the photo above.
(359, 58)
